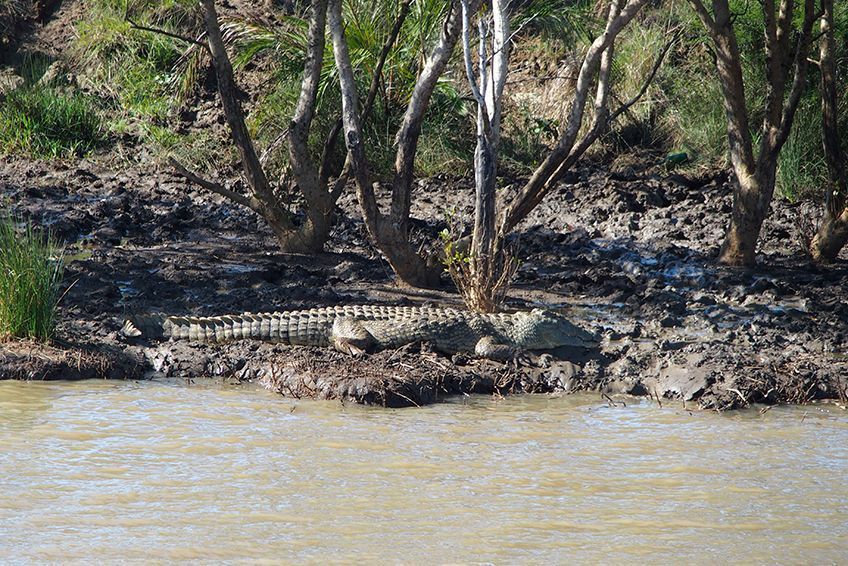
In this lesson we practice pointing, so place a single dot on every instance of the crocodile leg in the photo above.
(350, 336)
(487, 347)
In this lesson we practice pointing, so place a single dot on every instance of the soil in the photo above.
(627, 252)
(630, 258)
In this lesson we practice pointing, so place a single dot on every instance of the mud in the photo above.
(626, 249)
(629, 258)
(28, 360)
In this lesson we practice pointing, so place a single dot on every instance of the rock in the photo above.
(9, 81)
(669, 321)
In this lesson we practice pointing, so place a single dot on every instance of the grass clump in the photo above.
(801, 167)
(31, 269)
(42, 121)
(130, 70)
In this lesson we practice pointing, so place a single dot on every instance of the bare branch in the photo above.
(466, 51)
(500, 66)
(705, 17)
(800, 76)
(273, 146)
(649, 79)
(329, 145)
(410, 129)
(545, 176)
(350, 117)
(180, 169)
(232, 109)
(167, 33)
(598, 126)
(381, 60)
(303, 166)
(390, 234)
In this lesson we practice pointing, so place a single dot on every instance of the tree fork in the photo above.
(390, 233)
(755, 176)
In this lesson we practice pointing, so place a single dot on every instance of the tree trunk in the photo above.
(751, 201)
(311, 236)
(832, 235)
(390, 233)
(256, 178)
(555, 165)
(830, 238)
(755, 176)
(482, 284)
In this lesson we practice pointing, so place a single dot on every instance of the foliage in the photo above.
(682, 110)
(481, 292)
(554, 20)
(129, 69)
(31, 268)
(41, 120)
(802, 168)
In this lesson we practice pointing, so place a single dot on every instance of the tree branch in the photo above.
(330, 144)
(799, 78)
(466, 52)
(350, 116)
(252, 204)
(275, 215)
(409, 132)
(706, 18)
(302, 165)
(544, 176)
(161, 31)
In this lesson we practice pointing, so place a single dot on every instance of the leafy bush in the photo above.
(31, 268)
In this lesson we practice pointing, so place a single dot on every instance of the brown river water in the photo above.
(162, 471)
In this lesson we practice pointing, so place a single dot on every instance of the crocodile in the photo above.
(367, 328)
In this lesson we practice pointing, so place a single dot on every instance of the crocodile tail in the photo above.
(148, 326)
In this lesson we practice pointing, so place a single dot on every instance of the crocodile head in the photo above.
(543, 329)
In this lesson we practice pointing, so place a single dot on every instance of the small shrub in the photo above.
(483, 285)
(42, 121)
(31, 268)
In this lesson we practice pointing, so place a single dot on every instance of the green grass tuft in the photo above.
(802, 168)
(42, 121)
(31, 268)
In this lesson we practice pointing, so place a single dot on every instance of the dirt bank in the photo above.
(628, 258)
(626, 251)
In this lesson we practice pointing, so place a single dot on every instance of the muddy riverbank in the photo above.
(628, 257)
